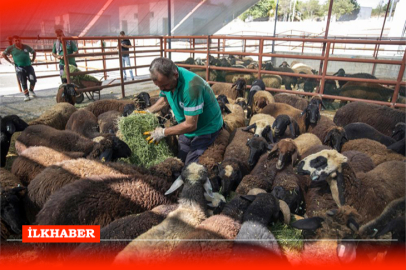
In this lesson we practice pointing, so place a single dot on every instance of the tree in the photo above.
(259, 10)
(341, 7)
(310, 9)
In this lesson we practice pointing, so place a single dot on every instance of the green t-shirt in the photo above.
(70, 47)
(21, 57)
(193, 96)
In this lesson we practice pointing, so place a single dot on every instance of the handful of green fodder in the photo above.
(288, 237)
(132, 128)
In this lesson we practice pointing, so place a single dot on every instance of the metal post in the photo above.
(391, 8)
(135, 58)
(399, 79)
(208, 58)
(84, 45)
(261, 51)
(376, 50)
(169, 27)
(274, 32)
(324, 68)
(326, 33)
(194, 47)
(121, 66)
(161, 42)
(104, 58)
(218, 47)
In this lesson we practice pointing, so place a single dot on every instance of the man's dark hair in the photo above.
(15, 37)
(122, 33)
(164, 66)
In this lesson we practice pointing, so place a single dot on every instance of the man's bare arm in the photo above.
(189, 125)
(161, 103)
(7, 59)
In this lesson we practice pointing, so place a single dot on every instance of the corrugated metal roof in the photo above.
(136, 17)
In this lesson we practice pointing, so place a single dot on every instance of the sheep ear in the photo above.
(250, 198)
(250, 127)
(311, 224)
(274, 152)
(283, 206)
(270, 136)
(274, 124)
(177, 184)
(295, 158)
(328, 137)
(208, 188)
(11, 128)
(304, 112)
(292, 129)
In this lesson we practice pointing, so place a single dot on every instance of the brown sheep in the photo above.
(8, 180)
(272, 80)
(108, 122)
(67, 93)
(359, 162)
(260, 100)
(382, 118)
(235, 119)
(375, 150)
(34, 160)
(101, 106)
(57, 116)
(368, 193)
(292, 99)
(214, 155)
(84, 123)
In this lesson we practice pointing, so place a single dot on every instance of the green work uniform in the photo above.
(193, 96)
(21, 57)
(70, 48)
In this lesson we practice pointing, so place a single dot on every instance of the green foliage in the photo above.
(288, 237)
(341, 7)
(259, 10)
(381, 8)
(310, 9)
(132, 128)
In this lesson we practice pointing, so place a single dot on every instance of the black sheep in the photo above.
(286, 80)
(341, 73)
(361, 130)
(9, 125)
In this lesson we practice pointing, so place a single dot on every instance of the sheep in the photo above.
(361, 130)
(382, 118)
(368, 193)
(272, 80)
(399, 131)
(366, 90)
(263, 210)
(230, 91)
(101, 106)
(275, 109)
(128, 227)
(12, 212)
(177, 225)
(8, 180)
(141, 102)
(44, 183)
(257, 146)
(293, 100)
(235, 119)
(225, 225)
(240, 86)
(213, 75)
(232, 76)
(107, 147)
(57, 116)
(235, 164)
(214, 155)
(288, 149)
(260, 100)
(359, 161)
(34, 160)
(280, 127)
(108, 122)
(375, 150)
(398, 147)
(286, 80)
(9, 124)
(341, 73)
(99, 200)
(84, 123)
(330, 134)
(262, 123)
(67, 93)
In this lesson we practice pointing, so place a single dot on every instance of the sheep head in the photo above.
(340, 224)
(223, 98)
(257, 146)
(328, 165)
(144, 100)
(399, 131)
(12, 209)
(280, 124)
(230, 175)
(335, 138)
(240, 86)
(312, 114)
(285, 150)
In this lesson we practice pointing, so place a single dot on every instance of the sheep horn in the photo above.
(177, 184)
(285, 211)
(208, 188)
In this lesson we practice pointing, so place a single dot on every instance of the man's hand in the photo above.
(155, 136)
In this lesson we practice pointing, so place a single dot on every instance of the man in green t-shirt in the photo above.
(194, 105)
(22, 63)
(57, 51)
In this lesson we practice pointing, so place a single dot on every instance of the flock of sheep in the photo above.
(361, 90)
(276, 158)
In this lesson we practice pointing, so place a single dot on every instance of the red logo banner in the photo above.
(61, 234)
